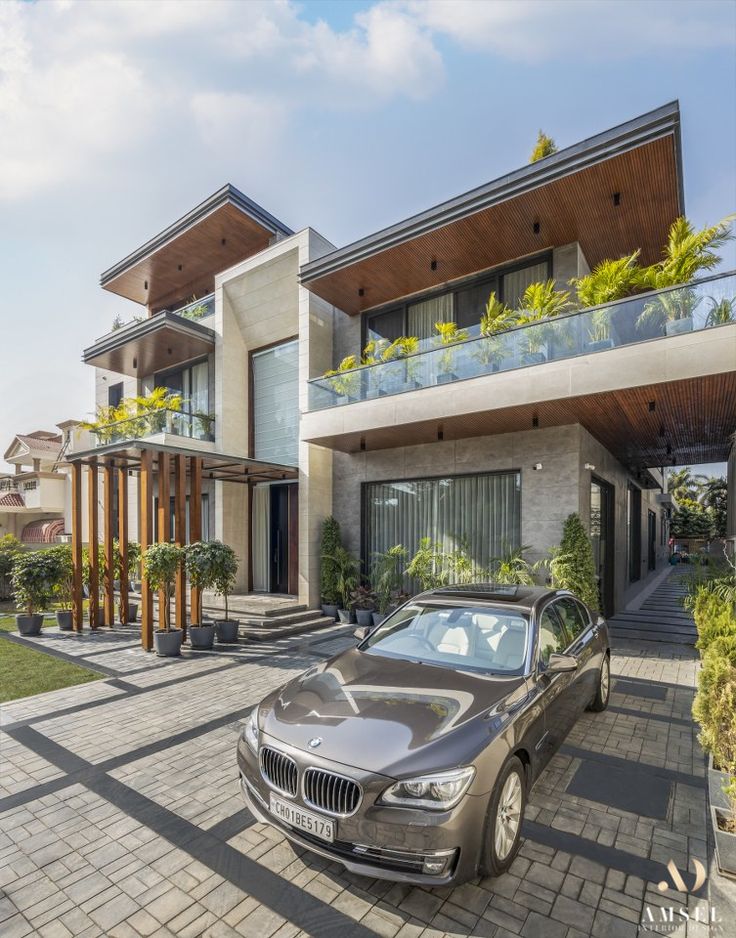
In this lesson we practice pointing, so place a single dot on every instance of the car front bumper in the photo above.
(378, 841)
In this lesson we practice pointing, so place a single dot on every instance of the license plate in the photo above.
(303, 820)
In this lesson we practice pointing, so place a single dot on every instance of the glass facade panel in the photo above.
(276, 404)
(479, 513)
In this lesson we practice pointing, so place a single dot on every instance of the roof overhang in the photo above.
(569, 195)
(152, 345)
(181, 261)
(219, 467)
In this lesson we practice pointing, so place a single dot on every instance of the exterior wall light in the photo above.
(536, 227)
(616, 198)
(537, 466)
(590, 466)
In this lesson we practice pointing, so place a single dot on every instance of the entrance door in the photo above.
(602, 497)
(652, 541)
(284, 539)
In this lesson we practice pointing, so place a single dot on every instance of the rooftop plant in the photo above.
(608, 281)
(545, 146)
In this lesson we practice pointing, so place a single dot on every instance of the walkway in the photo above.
(661, 616)
(121, 815)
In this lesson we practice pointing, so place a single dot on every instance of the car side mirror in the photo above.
(559, 663)
(362, 632)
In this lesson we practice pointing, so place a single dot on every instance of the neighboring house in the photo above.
(487, 445)
(34, 498)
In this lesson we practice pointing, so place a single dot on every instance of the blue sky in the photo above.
(343, 116)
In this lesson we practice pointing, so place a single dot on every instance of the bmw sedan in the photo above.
(410, 756)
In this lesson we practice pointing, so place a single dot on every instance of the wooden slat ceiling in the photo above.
(157, 350)
(576, 207)
(694, 418)
(200, 252)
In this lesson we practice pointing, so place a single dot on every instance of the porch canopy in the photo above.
(176, 470)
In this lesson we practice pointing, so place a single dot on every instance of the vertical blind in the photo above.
(276, 403)
(480, 513)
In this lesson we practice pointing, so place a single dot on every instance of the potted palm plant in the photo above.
(492, 347)
(33, 587)
(540, 303)
(344, 381)
(448, 334)
(224, 564)
(200, 570)
(346, 580)
(386, 580)
(160, 565)
(63, 584)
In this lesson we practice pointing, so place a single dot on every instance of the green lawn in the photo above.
(24, 671)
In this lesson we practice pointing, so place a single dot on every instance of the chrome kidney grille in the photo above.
(332, 793)
(279, 770)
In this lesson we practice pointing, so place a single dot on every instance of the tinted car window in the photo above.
(552, 636)
(476, 638)
(571, 613)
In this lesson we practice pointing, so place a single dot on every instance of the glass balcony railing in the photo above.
(703, 304)
(140, 426)
(198, 309)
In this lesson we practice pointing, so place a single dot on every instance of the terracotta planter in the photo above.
(29, 625)
(64, 620)
(167, 644)
(202, 636)
(364, 616)
(227, 631)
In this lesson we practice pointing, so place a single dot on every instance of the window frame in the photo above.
(489, 274)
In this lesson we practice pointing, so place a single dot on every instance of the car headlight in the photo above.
(440, 791)
(250, 731)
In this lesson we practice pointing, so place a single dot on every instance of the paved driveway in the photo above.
(120, 813)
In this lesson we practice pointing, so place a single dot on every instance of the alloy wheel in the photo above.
(605, 679)
(508, 816)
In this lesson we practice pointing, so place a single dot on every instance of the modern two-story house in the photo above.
(489, 442)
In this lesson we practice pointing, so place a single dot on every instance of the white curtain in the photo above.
(515, 283)
(261, 526)
(481, 514)
(422, 316)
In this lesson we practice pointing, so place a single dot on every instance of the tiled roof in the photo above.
(12, 500)
(35, 442)
(42, 532)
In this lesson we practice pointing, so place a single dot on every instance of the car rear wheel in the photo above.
(600, 701)
(505, 814)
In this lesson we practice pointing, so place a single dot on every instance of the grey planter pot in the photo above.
(725, 843)
(533, 358)
(202, 636)
(167, 644)
(678, 326)
(329, 609)
(64, 620)
(377, 618)
(345, 616)
(29, 625)
(227, 631)
(446, 377)
(599, 346)
(101, 616)
(716, 781)
(364, 616)
(132, 611)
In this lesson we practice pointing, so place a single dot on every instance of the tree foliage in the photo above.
(331, 540)
(572, 565)
(545, 146)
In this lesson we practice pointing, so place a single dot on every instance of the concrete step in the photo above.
(255, 634)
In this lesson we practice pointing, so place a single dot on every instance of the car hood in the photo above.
(386, 715)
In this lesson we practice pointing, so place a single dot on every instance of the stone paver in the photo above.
(120, 812)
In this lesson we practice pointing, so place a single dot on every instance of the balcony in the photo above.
(199, 427)
(198, 309)
(698, 306)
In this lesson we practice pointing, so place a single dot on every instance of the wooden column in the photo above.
(195, 521)
(180, 522)
(77, 604)
(93, 547)
(164, 517)
(108, 475)
(123, 542)
(145, 535)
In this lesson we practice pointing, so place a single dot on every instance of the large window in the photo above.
(192, 383)
(275, 390)
(479, 513)
(464, 304)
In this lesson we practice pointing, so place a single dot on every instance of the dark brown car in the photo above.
(410, 757)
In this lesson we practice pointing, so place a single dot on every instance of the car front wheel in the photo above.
(600, 701)
(505, 814)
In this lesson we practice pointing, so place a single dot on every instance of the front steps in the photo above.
(661, 617)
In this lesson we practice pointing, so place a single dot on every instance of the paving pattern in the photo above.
(120, 813)
(661, 616)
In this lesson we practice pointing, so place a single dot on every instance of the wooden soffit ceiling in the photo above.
(154, 345)
(182, 261)
(693, 422)
(578, 206)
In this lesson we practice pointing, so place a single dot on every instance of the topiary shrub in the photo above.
(714, 619)
(160, 565)
(328, 573)
(572, 565)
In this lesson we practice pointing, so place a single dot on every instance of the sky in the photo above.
(118, 117)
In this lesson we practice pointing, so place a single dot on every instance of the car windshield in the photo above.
(473, 638)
